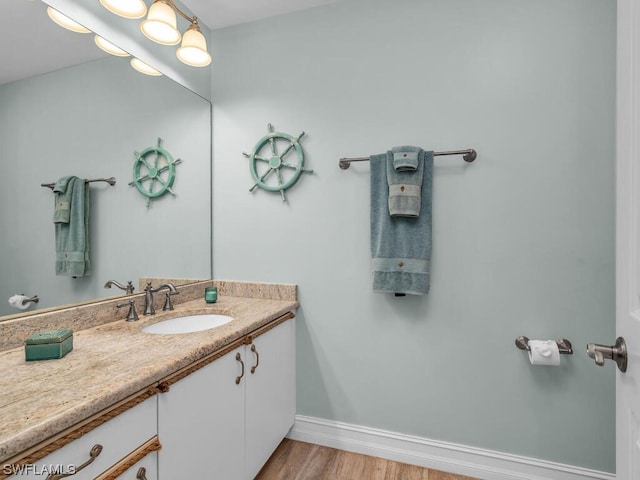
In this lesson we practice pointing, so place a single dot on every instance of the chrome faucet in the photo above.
(148, 297)
(129, 288)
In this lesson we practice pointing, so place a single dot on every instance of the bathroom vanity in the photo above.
(130, 404)
(229, 416)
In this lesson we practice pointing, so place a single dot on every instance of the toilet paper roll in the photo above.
(544, 352)
(17, 302)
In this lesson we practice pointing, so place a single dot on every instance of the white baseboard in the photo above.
(448, 457)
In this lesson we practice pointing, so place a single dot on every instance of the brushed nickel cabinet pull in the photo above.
(142, 474)
(239, 358)
(254, 350)
(93, 454)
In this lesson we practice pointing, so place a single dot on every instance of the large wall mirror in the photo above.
(87, 119)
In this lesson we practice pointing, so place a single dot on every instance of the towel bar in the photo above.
(468, 156)
(564, 345)
(111, 181)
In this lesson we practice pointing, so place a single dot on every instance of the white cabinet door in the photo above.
(212, 427)
(201, 423)
(270, 394)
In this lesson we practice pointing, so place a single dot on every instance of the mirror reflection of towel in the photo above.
(62, 199)
(72, 238)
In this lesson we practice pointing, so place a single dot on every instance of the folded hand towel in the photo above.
(405, 184)
(400, 246)
(62, 200)
(405, 158)
(72, 238)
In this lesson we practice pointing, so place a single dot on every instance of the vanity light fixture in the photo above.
(193, 50)
(109, 47)
(142, 67)
(161, 26)
(161, 23)
(65, 21)
(126, 8)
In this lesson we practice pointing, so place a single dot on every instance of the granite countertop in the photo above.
(108, 363)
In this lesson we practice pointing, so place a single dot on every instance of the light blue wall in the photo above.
(88, 121)
(523, 238)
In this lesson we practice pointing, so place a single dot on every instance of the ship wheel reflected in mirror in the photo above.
(154, 172)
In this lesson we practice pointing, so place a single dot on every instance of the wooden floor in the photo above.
(294, 460)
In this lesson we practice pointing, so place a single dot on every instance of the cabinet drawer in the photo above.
(118, 437)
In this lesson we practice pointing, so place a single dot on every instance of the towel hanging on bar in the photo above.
(400, 245)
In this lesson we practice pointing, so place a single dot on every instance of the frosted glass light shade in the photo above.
(193, 51)
(65, 21)
(109, 47)
(126, 8)
(161, 24)
(142, 67)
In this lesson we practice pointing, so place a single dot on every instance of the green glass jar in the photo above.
(211, 294)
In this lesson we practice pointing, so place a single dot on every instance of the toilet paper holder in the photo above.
(564, 345)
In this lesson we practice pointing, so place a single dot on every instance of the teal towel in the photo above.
(404, 176)
(72, 238)
(400, 246)
(62, 200)
(405, 158)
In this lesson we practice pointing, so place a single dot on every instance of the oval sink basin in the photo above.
(188, 324)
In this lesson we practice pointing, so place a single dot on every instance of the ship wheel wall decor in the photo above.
(273, 171)
(154, 172)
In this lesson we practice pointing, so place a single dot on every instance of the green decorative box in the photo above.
(48, 345)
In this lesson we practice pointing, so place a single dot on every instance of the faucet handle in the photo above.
(129, 288)
(132, 315)
(168, 304)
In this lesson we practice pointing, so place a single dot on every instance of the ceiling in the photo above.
(33, 44)
(224, 13)
(39, 46)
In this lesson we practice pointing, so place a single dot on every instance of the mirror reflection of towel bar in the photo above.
(111, 181)
(564, 345)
